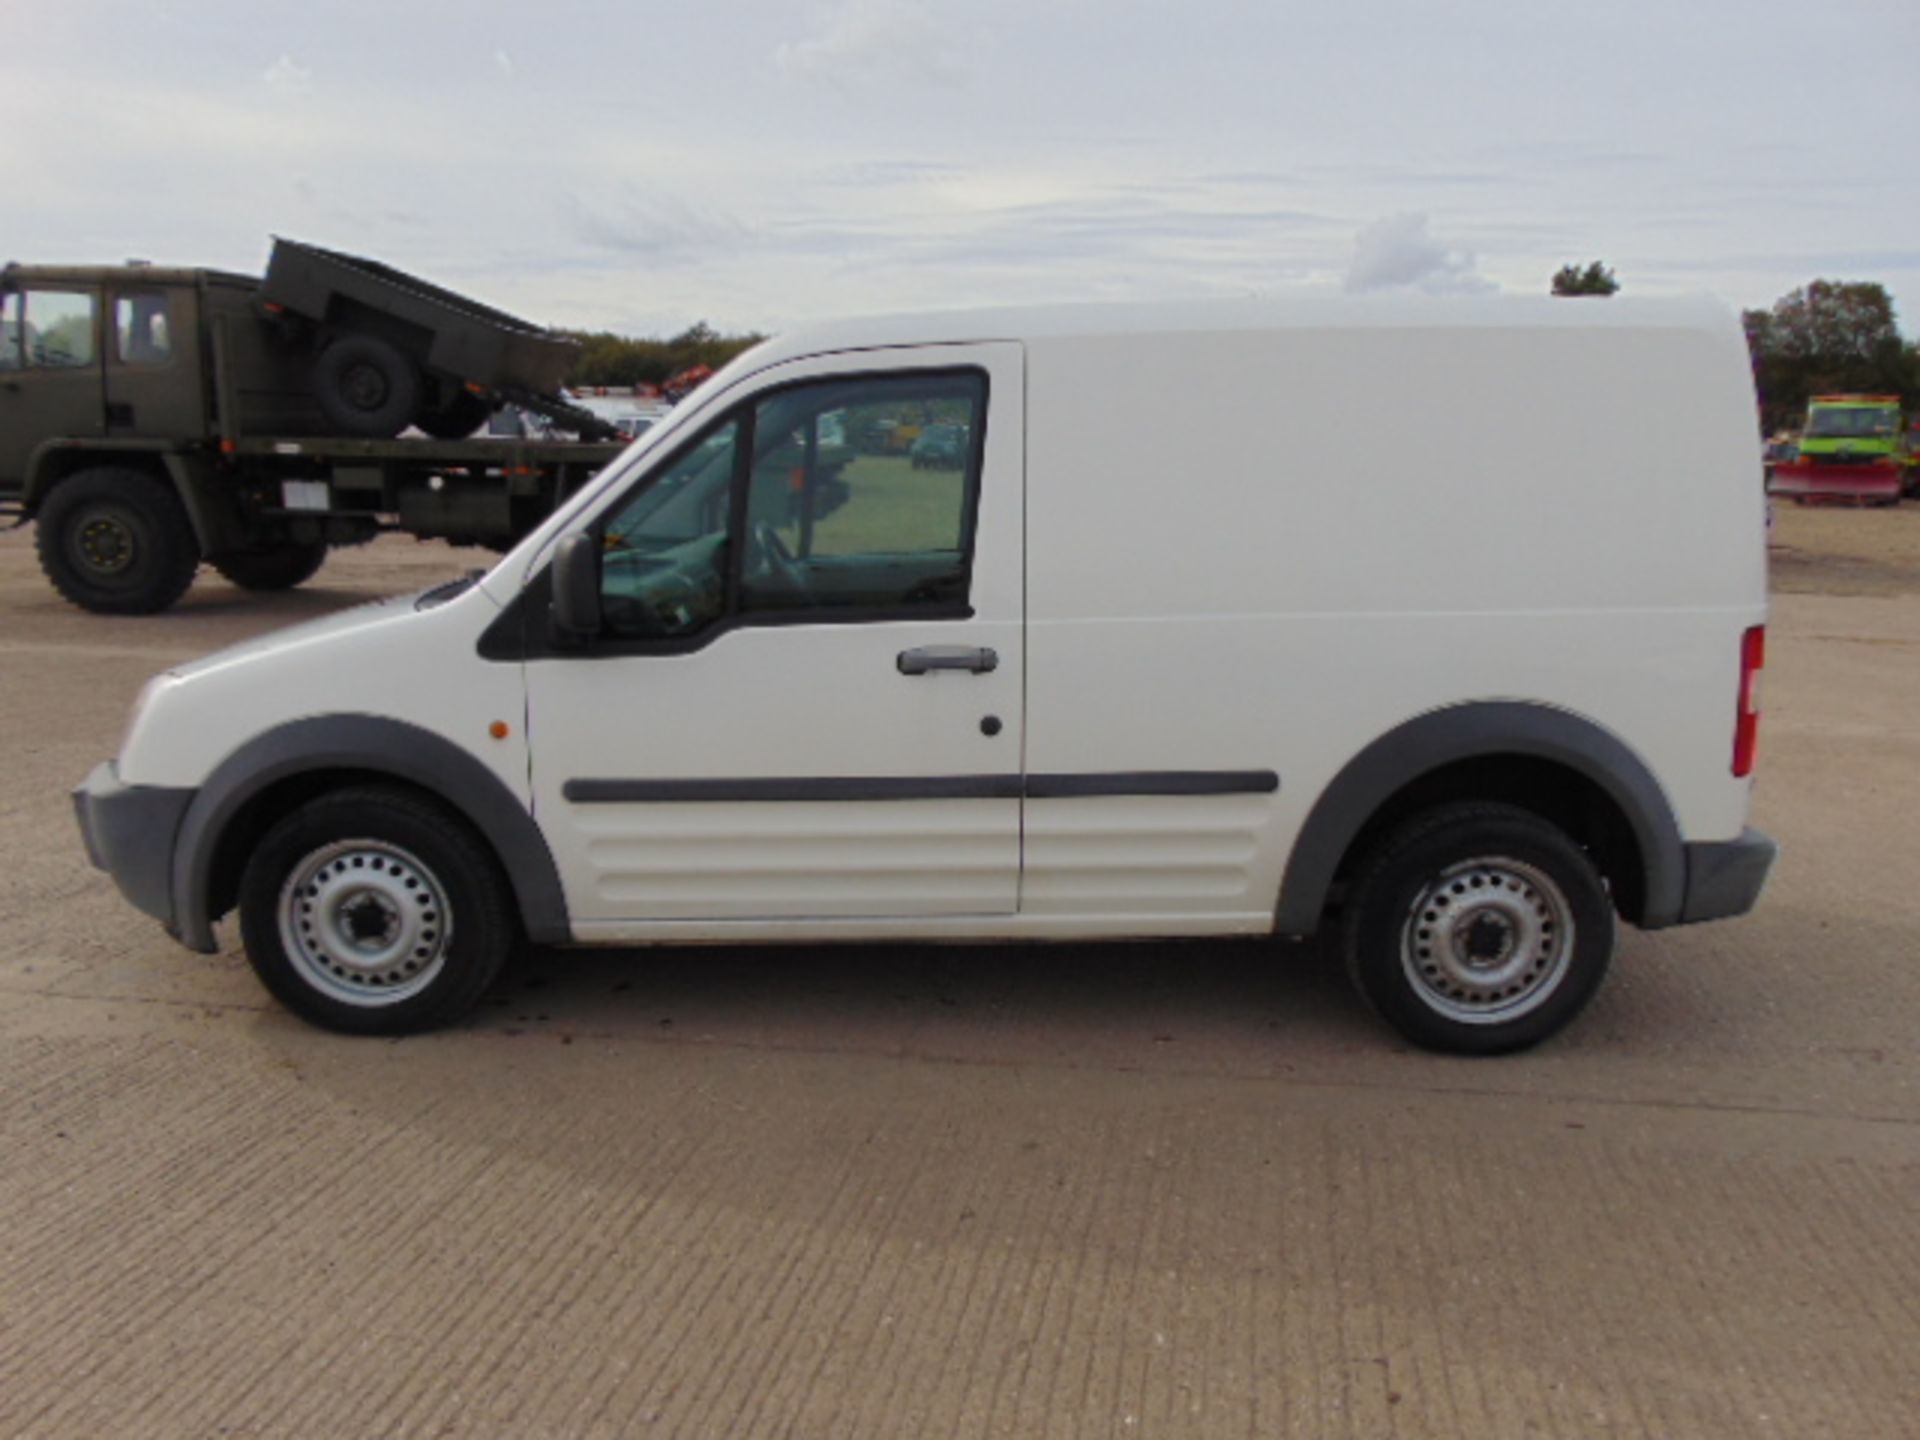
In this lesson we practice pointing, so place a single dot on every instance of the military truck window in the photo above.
(140, 328)
(862, 493)
(11, 352)
(56, 328)
(663, 570)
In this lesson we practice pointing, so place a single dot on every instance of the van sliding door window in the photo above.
(861, 494)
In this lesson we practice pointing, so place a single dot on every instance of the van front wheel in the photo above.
(1478, 929)
(375, 912)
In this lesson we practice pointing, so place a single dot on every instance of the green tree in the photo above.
(1595, 279)
(609, 359)
(1828, 337)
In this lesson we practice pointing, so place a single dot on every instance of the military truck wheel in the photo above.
(116, 542)
(273, 567)
(465, 413)
(366, 387)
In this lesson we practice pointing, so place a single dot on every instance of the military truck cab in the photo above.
(154, 418)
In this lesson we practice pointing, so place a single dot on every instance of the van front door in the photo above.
(807, 699)
(50, 375)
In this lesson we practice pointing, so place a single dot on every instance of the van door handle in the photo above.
(977, 659)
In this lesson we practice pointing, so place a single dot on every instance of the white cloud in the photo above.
(283, 77)
(503, 62)
(1088, 149)
(1399, 251)
(646, 222)
(868, 40)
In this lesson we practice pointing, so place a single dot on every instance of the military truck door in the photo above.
(50, 375)
(153, 366)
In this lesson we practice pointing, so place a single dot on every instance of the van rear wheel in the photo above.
(1478, 929)
(375, 912)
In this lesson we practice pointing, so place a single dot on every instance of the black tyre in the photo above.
(458, 418)
(273, 567)
(366, 387)
(375, 912)
(117, 542)
(1478, 929)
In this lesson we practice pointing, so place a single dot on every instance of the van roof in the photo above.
(1303, 312)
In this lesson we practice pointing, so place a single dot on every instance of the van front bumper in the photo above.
(1725, 878)
(129, 832)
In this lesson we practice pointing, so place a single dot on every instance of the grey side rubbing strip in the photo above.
(1154, 782)
(882, 787)
(931, 787)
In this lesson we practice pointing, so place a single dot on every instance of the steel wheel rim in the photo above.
(1487, 940)
(104, 543)
(365, 922)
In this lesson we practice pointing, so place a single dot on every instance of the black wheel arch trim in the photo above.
(1474, 730)
(383, 746)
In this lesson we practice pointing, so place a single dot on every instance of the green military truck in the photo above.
(153, 419)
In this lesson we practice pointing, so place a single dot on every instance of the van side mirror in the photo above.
(575, 615)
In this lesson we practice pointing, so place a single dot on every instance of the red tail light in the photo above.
(1746, 726)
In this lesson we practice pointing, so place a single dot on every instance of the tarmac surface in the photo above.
(1168, 1190)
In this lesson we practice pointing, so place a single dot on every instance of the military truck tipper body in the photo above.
(155, 418)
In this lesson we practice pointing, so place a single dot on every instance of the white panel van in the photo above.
(1221, 621)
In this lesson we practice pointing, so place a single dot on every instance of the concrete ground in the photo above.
(1184, 1190)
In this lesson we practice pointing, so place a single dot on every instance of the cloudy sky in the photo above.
(640, 166)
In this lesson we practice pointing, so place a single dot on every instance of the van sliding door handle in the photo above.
(977, 659)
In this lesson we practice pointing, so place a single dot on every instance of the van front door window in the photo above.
(860, 496)
(883, 525)
(663, 573)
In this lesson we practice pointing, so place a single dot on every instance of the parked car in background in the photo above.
(939, 447)
(1780, 450)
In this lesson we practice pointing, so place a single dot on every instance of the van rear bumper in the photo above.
(129, 832)
(1724, 878)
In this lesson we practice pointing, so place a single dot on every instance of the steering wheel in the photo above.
(658, 608)
(778, 558)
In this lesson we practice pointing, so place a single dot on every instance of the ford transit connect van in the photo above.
(1237, 672)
